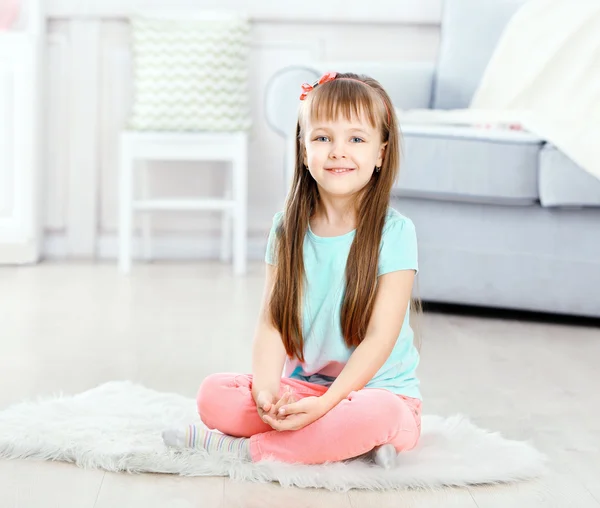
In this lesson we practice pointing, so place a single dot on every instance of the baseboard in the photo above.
(171, 247)
(26, 253)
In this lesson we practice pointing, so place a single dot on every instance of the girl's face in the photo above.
(341, 155)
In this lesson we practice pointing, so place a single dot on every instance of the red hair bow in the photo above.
(330, 76)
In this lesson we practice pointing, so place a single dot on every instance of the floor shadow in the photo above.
(516, 315)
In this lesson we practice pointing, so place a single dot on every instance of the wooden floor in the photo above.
(71, 327)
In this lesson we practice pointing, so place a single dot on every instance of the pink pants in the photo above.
(365, 419)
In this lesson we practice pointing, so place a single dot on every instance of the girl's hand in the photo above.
(287, 398)
(298, 415)
(267, 403)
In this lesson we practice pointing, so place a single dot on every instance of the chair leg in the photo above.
(146, 217)
(240, 197)
(125, 206)
(226, 219)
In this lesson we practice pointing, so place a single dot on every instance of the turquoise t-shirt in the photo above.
(325, 352)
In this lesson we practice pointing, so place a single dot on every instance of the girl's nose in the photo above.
(337, 151)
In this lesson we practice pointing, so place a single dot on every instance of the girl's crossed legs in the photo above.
(365, 419)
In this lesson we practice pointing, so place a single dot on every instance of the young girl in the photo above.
(335, 314)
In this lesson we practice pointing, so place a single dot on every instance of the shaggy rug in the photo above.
(117, 427)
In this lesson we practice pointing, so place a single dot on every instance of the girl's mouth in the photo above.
(339, 171)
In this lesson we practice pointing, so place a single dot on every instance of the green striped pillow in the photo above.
(190, 74)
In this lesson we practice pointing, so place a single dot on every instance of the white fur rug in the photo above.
(117, 427)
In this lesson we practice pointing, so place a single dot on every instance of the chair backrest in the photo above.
(282, 97)
(469, 34)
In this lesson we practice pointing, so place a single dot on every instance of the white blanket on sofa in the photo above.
(544, 77)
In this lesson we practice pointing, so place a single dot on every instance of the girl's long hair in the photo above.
(359, 97)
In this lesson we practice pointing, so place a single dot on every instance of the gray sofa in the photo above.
(503, 218)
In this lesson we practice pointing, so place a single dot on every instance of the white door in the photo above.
(20, 182)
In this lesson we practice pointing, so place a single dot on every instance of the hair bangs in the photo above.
(348, 99)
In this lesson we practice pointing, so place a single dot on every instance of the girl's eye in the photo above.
(353, 139)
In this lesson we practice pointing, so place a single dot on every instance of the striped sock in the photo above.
(196, 436)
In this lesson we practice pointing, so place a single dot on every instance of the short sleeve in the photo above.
(398, 246)
(271, 243)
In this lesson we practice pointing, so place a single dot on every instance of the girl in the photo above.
(335, 313)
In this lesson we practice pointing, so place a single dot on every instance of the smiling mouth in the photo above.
(339, 171)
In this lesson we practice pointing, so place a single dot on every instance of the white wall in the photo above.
(89, 94)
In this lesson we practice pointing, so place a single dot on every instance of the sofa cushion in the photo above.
(469, 165)
(469, 34)
(564, 183)
(530, 258)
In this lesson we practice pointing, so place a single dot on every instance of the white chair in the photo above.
(194, 128)
(144, 146)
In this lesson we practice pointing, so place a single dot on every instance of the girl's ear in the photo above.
(381, 154)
